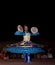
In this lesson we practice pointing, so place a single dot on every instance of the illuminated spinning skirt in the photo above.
(22, 50)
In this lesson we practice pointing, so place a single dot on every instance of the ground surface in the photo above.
(34, 62)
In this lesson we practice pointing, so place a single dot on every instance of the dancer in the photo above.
(26, 46)
(26, 38)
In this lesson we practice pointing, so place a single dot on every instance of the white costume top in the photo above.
(26, 37)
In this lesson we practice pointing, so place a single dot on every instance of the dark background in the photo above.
(36, 14)
(8, 26)
(43, 21)
(33, 14)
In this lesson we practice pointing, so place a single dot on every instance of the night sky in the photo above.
(9, 23)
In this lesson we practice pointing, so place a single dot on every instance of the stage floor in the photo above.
(34, 62)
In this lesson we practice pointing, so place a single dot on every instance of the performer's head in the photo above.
(25, 28)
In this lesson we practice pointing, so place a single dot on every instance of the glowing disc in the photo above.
(34, 30)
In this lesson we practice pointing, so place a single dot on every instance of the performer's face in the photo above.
(26, 28)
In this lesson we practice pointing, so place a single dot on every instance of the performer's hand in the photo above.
(22, 43)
